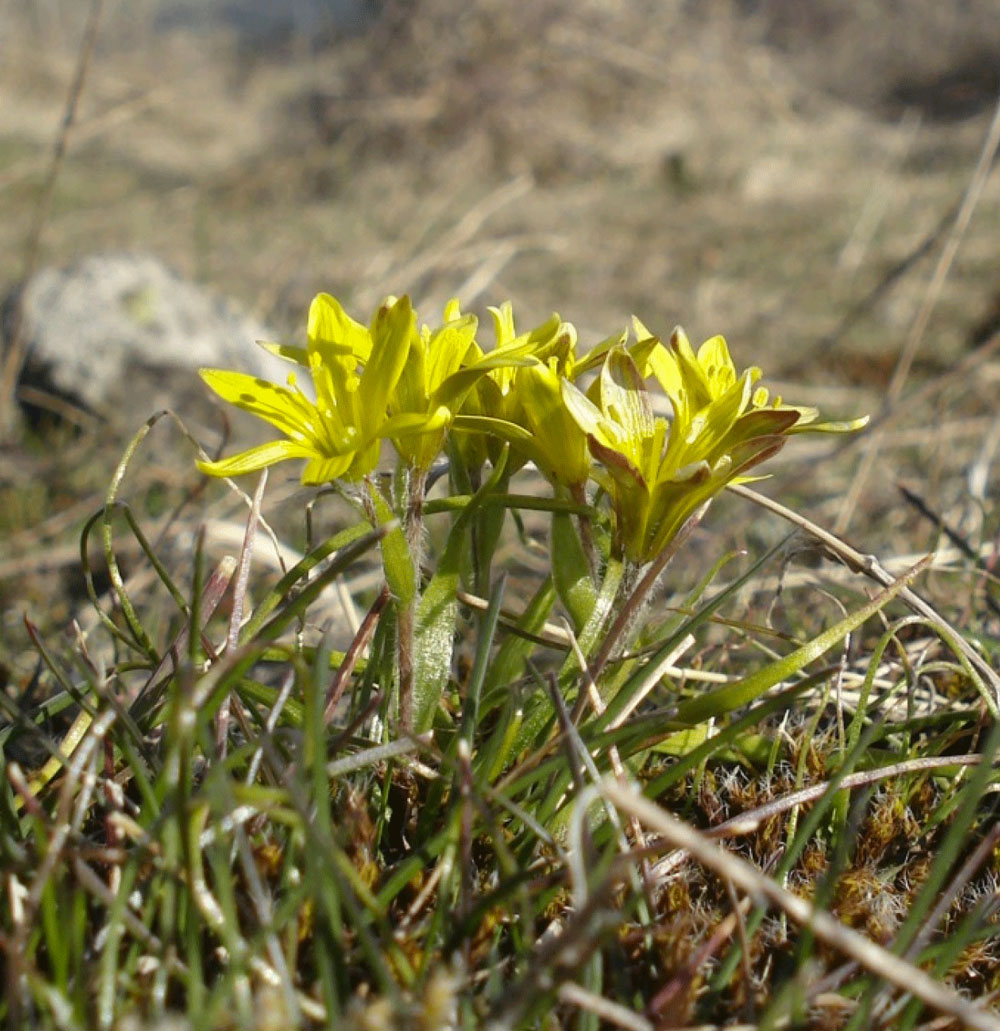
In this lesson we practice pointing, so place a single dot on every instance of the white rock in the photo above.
(99, 328)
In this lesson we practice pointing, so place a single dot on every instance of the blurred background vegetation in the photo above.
(785, 173)
(746, 166)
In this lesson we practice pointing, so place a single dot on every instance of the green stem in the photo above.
(417, 489)
(404, 657)
(407, 612)
(578, 493)
(637, 598)
(401, 575)
(541, 714)
(485, 533)
(614, 576)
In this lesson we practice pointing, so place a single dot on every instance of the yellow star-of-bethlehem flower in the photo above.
(658, 472)
(428, 382)
(441, 373)
(558, 444)
(389, 381)
(519, 401)
(340, 432)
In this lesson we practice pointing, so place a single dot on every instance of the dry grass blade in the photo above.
(750, 821)
(880, 962)
(962, 220)
(610, 1012)
(923, 394)
(360, 641)
(212, 595)
(239, 598)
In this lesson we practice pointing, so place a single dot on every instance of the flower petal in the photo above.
(617, 464)
(392, 329)
(454, 390)
(630, 497)
(848, 426)
(693, 376)
(560, 446)
(446, 350)
(296, 355)
(256, 458)
(408, 424)
(288, 411)
(585, 413)
(625, 401)
(332, 332)
(596, 355)
(713, 357)
(327, 468)
(503, 323)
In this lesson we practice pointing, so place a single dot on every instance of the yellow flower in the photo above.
(518, 401)
(340, 432)
(441, 371)
(656, 472)
(713, 406)
(558, 446)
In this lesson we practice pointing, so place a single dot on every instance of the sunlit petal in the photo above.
(256, 458)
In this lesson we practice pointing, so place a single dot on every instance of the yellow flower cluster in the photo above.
(410, 385)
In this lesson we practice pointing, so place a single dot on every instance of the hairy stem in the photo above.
(416, 482)
(579, 494)
(637, 597)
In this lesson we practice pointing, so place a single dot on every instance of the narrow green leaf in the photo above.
(300, 572)
(397, 562)
(571, 571)
(735, 696)
(484, 644)
(437, 611)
